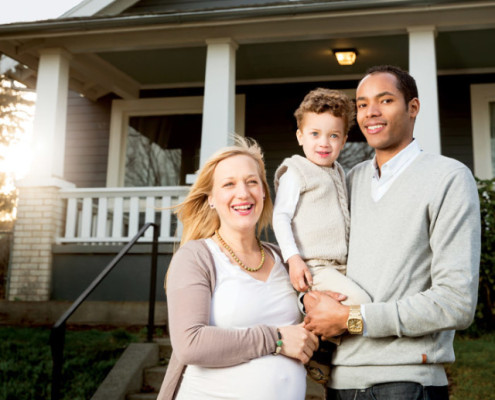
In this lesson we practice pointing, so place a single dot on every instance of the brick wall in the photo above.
(40, 213)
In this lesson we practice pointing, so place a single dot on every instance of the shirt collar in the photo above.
(397, 161)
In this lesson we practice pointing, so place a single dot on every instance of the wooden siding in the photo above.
(455, 115)
(269, 120)
(86, 148)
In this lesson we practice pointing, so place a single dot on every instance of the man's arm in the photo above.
(450, 302)
(455, 243)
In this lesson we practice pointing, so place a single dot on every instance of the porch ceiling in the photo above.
(124, 58)
(299, 60)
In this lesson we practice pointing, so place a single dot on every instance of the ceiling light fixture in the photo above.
(345, 56)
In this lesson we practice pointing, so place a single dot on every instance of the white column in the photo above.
(423, 67)
(219, 99)
(50, 115)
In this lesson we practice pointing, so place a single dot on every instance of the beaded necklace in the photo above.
(236, 259)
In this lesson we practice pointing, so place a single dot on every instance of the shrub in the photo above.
(485, 311)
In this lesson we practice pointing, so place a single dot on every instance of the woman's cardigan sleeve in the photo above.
(190, 284)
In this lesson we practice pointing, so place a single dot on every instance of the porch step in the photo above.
(153, 377)
(142, 396)
(165, 348)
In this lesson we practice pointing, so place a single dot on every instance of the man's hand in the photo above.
(299, 273)
(325, 316)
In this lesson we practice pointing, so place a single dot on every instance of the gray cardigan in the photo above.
(416, 252)
(189, 287)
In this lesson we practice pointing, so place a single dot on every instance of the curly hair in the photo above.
(198, 219)
(323, 100)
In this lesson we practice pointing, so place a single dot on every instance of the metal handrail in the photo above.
(57, 335)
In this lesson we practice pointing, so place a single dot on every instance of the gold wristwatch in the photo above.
(355, 321)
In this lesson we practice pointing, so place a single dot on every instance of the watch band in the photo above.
(279, 344)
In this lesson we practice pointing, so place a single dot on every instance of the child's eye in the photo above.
(313, 133)
(334, 136)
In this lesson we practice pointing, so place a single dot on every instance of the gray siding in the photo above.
(88, 127)
(76, 266)
(455, 115)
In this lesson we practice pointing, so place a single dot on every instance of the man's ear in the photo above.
(299, 137)
(413, 107)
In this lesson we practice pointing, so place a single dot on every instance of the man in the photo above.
(414, 247)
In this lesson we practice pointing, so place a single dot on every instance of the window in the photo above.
(156, 141)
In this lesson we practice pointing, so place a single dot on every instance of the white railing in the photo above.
(109, 215)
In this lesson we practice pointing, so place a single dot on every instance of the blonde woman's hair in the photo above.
(198, 219)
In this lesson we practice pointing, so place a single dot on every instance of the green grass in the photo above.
(472, 376)
(26, 364)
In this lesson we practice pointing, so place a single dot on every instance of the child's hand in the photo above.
(300, 277)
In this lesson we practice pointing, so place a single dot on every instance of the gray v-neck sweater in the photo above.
(416, 252)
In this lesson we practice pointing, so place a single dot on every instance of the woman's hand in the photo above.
(298, 342)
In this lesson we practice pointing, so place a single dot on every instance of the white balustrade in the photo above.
(110, 215)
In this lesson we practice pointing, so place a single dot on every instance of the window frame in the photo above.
(122, 110)
(481, 97)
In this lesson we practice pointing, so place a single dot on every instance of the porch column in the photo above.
(40, 211)
(219, 98)
(423, 67)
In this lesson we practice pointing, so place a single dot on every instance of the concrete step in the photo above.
(142, 396)
(153, 377)
(165, 348)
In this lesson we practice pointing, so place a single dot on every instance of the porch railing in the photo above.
(113, 215)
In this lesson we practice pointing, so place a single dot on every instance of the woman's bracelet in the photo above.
(279, 344)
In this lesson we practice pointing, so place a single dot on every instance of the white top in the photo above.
(391, 170)
(240, 301)
(288, 193)
(286, 200)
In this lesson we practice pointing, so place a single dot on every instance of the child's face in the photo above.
(321, 137)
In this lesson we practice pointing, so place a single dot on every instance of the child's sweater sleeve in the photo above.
(286, 201)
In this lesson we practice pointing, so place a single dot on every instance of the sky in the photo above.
(33, 10)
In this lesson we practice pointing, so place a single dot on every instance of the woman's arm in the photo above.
(189, 291)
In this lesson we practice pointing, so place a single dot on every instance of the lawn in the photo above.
(25, 363)
(472, 376)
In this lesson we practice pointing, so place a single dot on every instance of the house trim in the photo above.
(122, 110)
(481, 97)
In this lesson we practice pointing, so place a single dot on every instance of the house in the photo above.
(133, 95)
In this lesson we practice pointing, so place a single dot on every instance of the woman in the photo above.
(232, 310)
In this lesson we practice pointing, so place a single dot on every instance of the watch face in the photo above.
(355, 325)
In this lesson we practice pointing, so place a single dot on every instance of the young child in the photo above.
(311, 216)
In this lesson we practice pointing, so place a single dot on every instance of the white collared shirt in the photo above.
(391, 170)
